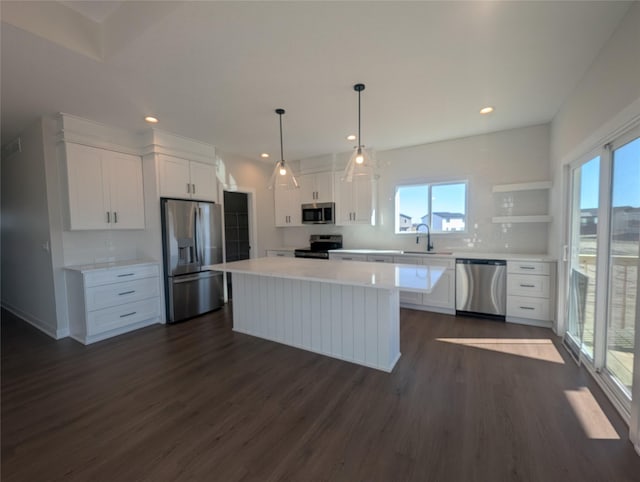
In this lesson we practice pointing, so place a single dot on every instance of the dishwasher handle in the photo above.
(493, 262)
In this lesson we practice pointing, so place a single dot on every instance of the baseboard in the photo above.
(35, 322)
(529, 322)
(433, 309)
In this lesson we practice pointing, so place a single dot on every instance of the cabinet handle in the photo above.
(115, 216)
(193, 188)
(126, 292)
(526, 308)
(128, 314)
(188, 188)
(527, 286)
(108, 217)
(126, 274)
(527, 267)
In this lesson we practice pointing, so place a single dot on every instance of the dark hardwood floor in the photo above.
(196, 401)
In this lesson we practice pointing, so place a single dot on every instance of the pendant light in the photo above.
(282, 176)
(360, 165)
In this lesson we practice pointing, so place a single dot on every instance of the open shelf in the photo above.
(522, 186)
(537, 218)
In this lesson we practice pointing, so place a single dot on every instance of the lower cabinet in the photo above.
(441, 299)
(530, 288)
(280, 253)
(106, 301)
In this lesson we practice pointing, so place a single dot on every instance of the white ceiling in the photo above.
(215, 71)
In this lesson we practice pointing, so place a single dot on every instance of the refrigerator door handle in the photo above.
(201, 240)
(196, 233)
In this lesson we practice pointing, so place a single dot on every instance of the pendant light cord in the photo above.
(281, 148)
(359, 138)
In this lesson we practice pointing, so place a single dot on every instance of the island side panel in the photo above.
(356, 324)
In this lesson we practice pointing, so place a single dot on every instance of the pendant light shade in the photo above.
(360, 165)
(282, 176)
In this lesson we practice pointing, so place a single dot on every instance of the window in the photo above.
(442, 206)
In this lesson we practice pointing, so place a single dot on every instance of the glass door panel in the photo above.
(585, 181)
(623, 264)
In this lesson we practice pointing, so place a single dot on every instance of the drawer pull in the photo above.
(128, 314)
(126, 292)
(126, 274)
(526, 308)
(527, 267)
(527, 286)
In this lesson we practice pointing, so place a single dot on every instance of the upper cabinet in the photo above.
(355, 201)
(105, 189)
(316, 188)
(184, 179)
(287, 207)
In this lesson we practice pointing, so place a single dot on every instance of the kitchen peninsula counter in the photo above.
(346, 310)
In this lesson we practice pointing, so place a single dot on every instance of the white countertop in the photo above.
(113, 264)
(449, 254)
(406, 277)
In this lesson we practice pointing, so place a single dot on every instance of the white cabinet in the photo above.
(355, 201)
(280, 253)
(105, 189)
(530, 288)
(316, 188)
(287, 207)
(107, 301)
(409, 297)
(184, 179)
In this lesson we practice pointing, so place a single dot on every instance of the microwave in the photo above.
(319, 213)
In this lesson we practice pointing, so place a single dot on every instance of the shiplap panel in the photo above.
(305, 287)
(350, 323)
(336, 319)
(371, 325)
(358, 323)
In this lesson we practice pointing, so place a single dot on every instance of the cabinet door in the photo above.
(409, 296)
(307, 188)
(126, 190)
(204, 184)
(174, 177)
(287, 207)
(362, 202)
(443, 295)
(88, 189)
(343, 193)
(324, 187)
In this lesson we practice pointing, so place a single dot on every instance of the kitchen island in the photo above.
(343, 309)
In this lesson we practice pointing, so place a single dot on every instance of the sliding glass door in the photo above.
(624, 244)
(604, 255)
(585, 180)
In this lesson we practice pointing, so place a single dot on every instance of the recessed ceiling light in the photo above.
(264, 155)
(151, 119)
(351, 137)
(486, 110)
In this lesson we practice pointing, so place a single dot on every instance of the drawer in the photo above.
(442, 262)
(348, 257)
(117, 275)
(407, 259)
(526, 267)
(115, 294)
(107, 319)
(532, 308)
(380, 258)
(526, 285)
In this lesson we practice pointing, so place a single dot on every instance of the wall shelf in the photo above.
(541, 218)
(522, 186)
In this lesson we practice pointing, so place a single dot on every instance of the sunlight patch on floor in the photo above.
(594, 422)
(537, 349)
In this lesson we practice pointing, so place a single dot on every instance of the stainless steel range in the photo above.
(319, 246)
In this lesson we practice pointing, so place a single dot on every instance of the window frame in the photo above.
(430, 184)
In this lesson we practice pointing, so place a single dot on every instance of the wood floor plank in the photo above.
(469, 400)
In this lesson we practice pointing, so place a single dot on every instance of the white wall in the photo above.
(517, 155)
(27, 274)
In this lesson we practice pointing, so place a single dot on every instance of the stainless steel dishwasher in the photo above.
(481, 287)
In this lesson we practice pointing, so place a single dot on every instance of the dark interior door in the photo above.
(236, 229)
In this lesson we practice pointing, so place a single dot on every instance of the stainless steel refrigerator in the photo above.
(192, 239)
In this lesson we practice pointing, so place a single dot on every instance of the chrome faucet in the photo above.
(429, 243)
